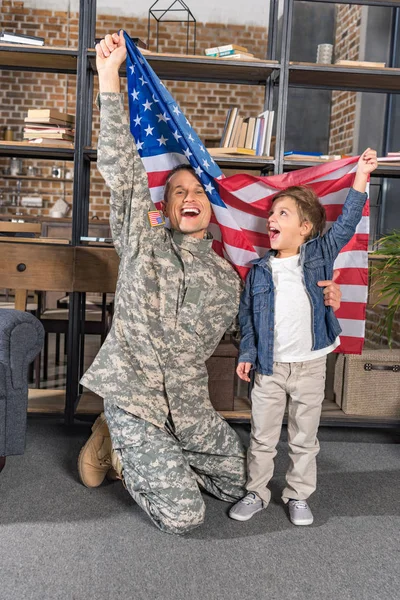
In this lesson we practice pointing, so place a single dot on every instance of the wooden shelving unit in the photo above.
(336, 77)
(181, 67)
(271, 74)
(385, 169)
(44, 59)
(26, 150)
(35, 178)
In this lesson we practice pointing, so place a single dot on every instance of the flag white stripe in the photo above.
(336, 197)
(224, 217)
(254, 192)
(240, 257)
(362, 227)
(163, 162)
(352, 168)
(157, 194)
(354, 293)
(353, 259)
(248, 221)
(352, 327)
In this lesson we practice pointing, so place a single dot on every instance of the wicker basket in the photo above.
(369, 384)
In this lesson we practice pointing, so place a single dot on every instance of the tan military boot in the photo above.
(94, 461)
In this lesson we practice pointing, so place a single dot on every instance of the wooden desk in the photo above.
(38, 266)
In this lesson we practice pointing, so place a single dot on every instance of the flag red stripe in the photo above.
(280, 182)
(352, 276)
(351, 310)
(157, 178)
(350, 345)
(359, 241)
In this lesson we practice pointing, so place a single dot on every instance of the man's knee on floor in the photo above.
(186, 519)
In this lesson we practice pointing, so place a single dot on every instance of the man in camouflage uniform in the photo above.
(175, 299)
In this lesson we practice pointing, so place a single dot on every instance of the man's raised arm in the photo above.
(118, 160)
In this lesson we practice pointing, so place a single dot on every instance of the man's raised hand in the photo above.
(111, 52)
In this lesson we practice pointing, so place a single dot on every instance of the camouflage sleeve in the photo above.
(122, 169)
(234, 329)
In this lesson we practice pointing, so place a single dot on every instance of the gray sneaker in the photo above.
(246, 507)
(300, 513)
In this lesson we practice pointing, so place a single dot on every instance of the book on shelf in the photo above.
(40, 141)
(231, 150)
(230, 53)
(229, 123)
(39, 128)
(239, 57)
(37, 114)
(290, 153)
(360, 63)
(311, 156)
(251, 123)
(236, 131)
(242, 134)
(218, 49)
(10, 37)
(251, 133)
(57, 135)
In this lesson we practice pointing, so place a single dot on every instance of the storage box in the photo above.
(368, 384)
(222, 376)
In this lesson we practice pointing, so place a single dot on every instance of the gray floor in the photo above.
(60, 540)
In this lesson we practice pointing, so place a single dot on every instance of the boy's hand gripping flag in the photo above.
(240, 203)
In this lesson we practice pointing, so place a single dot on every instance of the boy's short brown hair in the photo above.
(308, 206)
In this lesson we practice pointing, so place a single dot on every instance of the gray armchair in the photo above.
(21, 339)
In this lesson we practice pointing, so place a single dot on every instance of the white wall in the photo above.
(251, 12)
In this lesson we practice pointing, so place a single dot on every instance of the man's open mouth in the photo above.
(190, 212)
(273, 233)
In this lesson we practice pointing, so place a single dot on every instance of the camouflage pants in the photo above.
(162, 471)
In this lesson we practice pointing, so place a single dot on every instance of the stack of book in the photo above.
(49, 127)
(230, 51)
(249, 135)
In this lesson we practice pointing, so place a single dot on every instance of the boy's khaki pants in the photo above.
(304, 383)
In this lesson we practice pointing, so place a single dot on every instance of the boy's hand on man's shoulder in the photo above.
(332, 293)
(367, 162)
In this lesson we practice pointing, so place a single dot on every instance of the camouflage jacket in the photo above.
(175, 296)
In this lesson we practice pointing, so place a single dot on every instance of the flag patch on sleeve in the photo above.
(155, 218)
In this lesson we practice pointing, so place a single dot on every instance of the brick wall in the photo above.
(343, 111)
(205, 105)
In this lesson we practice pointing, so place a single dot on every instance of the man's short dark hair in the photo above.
(308, 207)
(183, 167)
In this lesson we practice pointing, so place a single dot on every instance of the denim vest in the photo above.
(257, 303)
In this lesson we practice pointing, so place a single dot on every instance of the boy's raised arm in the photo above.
(345, 226)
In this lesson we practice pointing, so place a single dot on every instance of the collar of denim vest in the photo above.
(192, 244)
(264, 260)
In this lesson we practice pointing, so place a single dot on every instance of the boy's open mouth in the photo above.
(190, 212)
(273, 233)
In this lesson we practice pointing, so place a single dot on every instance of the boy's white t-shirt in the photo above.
(293, 338)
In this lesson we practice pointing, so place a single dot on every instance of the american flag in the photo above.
(165, 138)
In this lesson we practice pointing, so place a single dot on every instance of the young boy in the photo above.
(286, 334)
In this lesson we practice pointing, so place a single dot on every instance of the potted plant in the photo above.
(386, 279)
